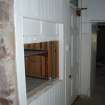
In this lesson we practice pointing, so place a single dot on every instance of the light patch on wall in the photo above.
(94, 27)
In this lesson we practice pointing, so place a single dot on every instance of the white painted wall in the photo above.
(95, 12)
(43, 9)
(96, 9)
(85, 51)
(85, 55)
(35, 21)
(39, 20)
(71, 31)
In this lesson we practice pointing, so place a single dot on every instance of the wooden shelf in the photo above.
(32, 52)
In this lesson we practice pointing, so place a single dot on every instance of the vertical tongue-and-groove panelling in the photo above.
(41, 19)
(44, 9)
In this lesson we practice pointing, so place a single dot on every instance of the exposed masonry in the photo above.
(8, 86)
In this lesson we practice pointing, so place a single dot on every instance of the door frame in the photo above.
(92, 72)
(67, 48)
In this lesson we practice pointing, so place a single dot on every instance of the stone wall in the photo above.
(8, 86)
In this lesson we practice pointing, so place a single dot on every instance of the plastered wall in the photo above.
(8, 91)
(96, 10)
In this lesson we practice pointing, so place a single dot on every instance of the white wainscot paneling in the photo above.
(59, 9)
(31, 8)
(49, 28)
(31, 27)
(43, 9)
(51, 9)
(35, 30)
(54, 96)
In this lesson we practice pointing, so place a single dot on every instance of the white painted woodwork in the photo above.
(31, 27)
(44, 9)
(74, 56)
(53, 96)
(94, 13)
(72, 35)
(35, 30)
(46, 20)
(35, 21)
(20, 69)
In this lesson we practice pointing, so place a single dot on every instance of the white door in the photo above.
(72, 60)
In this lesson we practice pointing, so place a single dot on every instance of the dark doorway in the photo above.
(100, 64)
(101, 44)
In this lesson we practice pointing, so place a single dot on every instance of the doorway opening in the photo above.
(41, 64)
(98, 61)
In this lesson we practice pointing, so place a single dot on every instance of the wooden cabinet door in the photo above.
(43, 66)
(33, 65)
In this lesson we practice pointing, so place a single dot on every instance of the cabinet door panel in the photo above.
(43, 66)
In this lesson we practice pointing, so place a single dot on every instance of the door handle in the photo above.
(70, 76)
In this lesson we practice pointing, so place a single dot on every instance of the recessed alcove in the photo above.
(41, 63)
